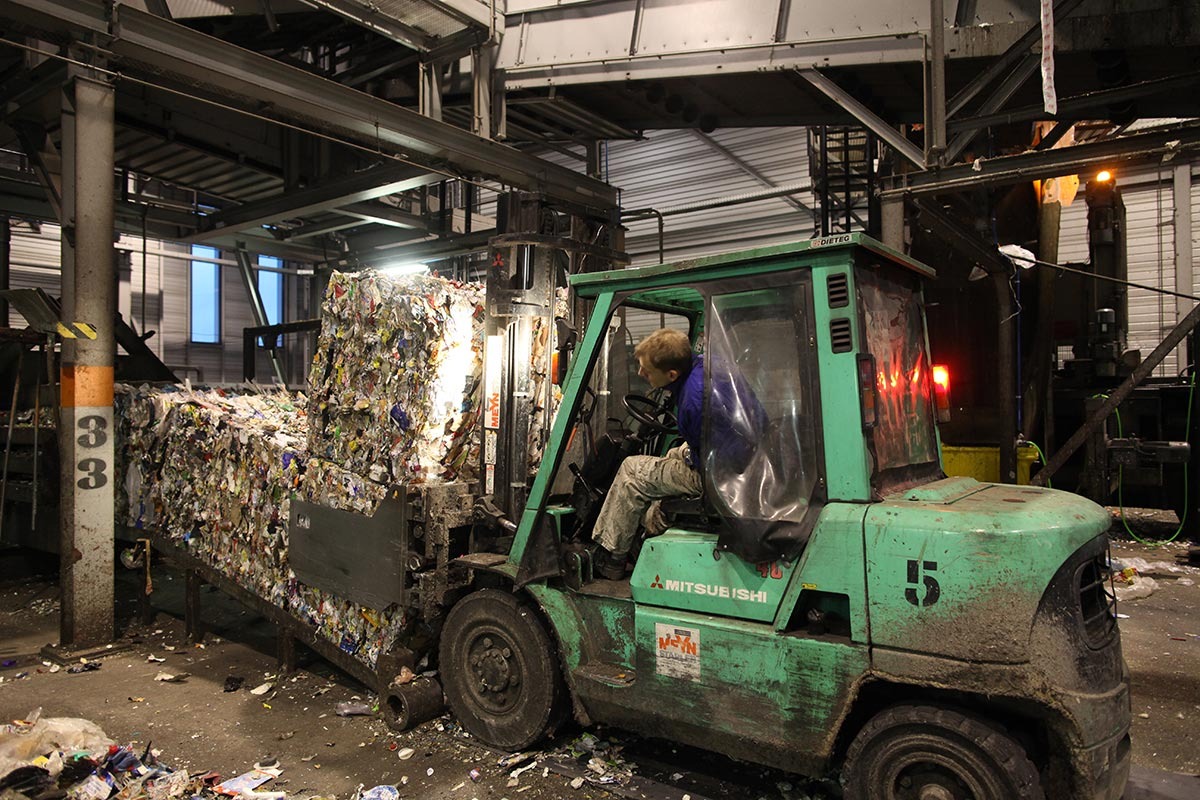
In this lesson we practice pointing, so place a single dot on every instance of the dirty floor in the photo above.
(199, 726)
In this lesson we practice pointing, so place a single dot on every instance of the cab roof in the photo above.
(828, 249)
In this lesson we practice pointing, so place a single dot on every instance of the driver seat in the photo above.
(693, 513)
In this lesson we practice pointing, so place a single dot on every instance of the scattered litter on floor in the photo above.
(171, 677)
(349, 709)
(88, 666)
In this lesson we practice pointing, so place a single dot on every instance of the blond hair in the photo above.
(666, 350)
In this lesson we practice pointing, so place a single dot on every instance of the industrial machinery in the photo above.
(833, 601)
(1141, 455)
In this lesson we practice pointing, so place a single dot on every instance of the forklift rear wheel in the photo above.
(926, 752)
(500, 671)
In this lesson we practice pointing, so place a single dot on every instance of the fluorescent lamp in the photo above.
(404, 269)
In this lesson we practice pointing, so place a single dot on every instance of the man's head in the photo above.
(663, 356)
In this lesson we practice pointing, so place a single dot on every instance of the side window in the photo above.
(270, 289)
(760, 446)
(204, 288)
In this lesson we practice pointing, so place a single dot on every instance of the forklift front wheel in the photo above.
(500, 671)
(926, 752)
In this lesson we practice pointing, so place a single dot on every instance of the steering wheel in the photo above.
(655, 417)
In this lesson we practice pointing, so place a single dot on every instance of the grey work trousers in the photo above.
(640, 482)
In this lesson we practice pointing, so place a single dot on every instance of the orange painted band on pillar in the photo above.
(86, 386)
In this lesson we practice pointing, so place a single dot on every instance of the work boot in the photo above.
(610, 566)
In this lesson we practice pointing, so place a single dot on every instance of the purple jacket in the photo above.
(738, 419)
(688, 390)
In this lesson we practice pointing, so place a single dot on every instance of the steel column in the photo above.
(1183, 244)
(1006, 376)
(430, 99)
(86, 423)
(5, 262)
(483, 61)
(249, 282)
(864, 115)
(935, 138)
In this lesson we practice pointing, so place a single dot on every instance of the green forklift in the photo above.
(833, 603)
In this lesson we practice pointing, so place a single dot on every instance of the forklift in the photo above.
(832, 603)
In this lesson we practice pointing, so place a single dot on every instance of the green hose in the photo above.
(1121, 478)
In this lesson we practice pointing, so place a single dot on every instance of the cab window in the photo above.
(761, 447)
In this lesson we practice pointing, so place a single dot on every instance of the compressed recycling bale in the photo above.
(394, 390)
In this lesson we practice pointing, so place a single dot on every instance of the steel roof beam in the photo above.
(866, 116)
(1183, 140)
(1009, 58)
(385, 215)
(170, 49)
(1070, 107)
(383, 24)
(419, 252)
(328, 196)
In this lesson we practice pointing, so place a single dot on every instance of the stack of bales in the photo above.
(395, 393)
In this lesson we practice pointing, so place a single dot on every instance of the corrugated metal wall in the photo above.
(35, 262)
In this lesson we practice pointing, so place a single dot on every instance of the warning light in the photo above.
(1104, 176)
(941, 390)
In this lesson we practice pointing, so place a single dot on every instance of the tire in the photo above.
(500, 670)
(927, 752)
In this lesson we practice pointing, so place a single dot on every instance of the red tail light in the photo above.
(866, 390)
(941, 391)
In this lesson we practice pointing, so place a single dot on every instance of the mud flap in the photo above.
(541, 558)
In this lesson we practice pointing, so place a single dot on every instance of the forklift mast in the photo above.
(528, 331)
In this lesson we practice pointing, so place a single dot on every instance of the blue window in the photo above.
(270, 288)
(205, 288)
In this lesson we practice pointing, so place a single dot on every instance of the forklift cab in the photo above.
(760, 331)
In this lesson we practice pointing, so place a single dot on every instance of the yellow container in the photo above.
(983, 463)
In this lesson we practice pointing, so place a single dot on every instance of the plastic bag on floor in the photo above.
(21, 743)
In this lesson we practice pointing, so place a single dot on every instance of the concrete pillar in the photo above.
(86, 421)
(891, 227)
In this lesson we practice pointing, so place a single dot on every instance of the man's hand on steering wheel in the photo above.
(655, 417)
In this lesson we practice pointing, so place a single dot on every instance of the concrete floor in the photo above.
(198, 726)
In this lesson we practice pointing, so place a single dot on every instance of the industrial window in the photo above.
(205, 289)
(270, 289)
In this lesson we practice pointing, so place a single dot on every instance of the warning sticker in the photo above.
(678, 652)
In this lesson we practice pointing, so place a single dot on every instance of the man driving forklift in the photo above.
(666, 361)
